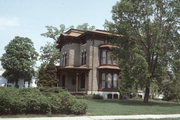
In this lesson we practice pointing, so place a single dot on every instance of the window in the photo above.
(83, 57)
(106, 41)
(103, 80)
(109, 96)
(115, 96)
(106, 58)
(103, 57)
(109, 80)
(64, 60)
(115, 80)
(109, 58)
(82, 83)
(114, 61)
(109, 85)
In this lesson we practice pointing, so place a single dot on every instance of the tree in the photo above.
(48, 75)
(49, 51)
(85, 27)
(150, 34)
(19, 59)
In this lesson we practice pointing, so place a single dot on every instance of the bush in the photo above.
(79, 107)
(34, 101)
(97, 96)
(51, 89)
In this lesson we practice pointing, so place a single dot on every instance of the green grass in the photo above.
(152, 119)
(120, 107)
(130, 107)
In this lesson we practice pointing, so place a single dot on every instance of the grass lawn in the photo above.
(130, 107)
(119, 107)
(154, 119)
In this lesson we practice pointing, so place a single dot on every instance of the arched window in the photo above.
(83, 57)
(64, 59)
(103, 80)
(115, 80)
(109, 58)
(103, 57)
(109, 80)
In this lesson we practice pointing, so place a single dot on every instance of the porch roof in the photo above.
(108, 67)
(107, 46)
(73, 68)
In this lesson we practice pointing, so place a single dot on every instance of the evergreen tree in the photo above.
(48, 75)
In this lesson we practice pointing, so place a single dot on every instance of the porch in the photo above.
(74, 79)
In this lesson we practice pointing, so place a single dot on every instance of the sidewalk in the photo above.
(112, 117)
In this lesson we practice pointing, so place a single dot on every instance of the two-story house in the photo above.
(87, 65)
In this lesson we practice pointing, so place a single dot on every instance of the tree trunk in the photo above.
(147, 91)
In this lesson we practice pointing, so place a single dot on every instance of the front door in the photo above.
(63, 81)
(82, 81)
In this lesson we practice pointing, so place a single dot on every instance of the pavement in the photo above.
(106, 117)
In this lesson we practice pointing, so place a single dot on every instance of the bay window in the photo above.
(103, 57)
(115, 80)
(109, 84)
(103, 80)
(107, 59)
(108, 80)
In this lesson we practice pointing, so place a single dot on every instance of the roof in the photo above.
(80, 36)
(73, 67)
(104, 32)
(73, 32)
(107, 46)
(108, 67)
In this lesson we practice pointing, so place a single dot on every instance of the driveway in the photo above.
(112, 117)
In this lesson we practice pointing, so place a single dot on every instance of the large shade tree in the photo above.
(149, 46)
(19, 59)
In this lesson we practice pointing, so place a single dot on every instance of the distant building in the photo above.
(3, 81)
(23, 84)
(87, 66)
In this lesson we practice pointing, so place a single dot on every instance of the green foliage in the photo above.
(79, 107)
(48, 75)
(97, 96)
(85, 27)
(49, 52)
(51, 90)
(150, 41)
(54, 32)
(19, 59)
(35, 101)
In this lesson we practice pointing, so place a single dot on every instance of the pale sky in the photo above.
(28, 18)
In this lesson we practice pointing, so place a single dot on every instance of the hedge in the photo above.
(39, 101)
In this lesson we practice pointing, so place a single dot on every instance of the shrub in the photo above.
(34, 101)
(56, 104)
(97, 96)
(79, 107)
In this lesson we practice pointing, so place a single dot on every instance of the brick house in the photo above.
(86, 64)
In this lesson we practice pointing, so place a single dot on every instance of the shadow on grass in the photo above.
(139, 103)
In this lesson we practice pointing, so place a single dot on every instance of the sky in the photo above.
(28, 18)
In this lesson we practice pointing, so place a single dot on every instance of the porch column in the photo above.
(77, 79)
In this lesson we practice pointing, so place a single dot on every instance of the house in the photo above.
(21, 82)
(3, 81)
(87, 65)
